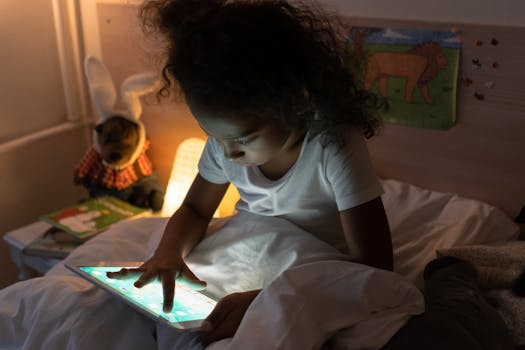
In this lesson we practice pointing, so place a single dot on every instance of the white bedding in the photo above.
(423, 221)
(360, 308)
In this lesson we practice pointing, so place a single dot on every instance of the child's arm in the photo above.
(188, 224)
(367, 227)
(184, 230)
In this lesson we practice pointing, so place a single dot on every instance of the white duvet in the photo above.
(312, 295)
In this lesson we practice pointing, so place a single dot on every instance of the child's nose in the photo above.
(231, 152)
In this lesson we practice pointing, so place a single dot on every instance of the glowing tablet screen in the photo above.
(189, 305)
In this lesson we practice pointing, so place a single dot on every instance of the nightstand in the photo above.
(28, 265)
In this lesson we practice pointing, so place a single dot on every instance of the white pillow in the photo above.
(423, 221)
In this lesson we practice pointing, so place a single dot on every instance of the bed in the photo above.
(361, 308)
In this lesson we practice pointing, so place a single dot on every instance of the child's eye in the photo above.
(243, 142)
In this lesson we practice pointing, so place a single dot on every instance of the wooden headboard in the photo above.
(482, 157)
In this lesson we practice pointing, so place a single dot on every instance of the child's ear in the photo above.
(98, 128)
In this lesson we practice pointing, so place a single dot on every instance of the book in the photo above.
(92, 216)
(54, 243)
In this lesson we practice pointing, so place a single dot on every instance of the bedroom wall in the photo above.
(488, 12)
(36, 178)
(38, 145)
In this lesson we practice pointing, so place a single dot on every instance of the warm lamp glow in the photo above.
(182, 174)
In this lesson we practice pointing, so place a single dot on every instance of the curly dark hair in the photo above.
(262, 58)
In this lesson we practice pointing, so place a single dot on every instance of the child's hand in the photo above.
(226, 317)
(167, 268)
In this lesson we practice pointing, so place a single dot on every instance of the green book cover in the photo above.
(92, 216)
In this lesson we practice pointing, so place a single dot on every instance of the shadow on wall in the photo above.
(36, 178)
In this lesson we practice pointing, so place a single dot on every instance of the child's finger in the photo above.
(145, 278)
(124, 273)
(168, 290)
(188, 279)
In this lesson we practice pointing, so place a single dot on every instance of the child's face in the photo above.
(246, 141)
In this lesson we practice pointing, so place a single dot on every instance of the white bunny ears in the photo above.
(104, 97)
(103, 93)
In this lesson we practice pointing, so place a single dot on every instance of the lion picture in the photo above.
(418, 66)
(414, 72)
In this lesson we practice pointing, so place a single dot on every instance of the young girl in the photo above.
(285, 119)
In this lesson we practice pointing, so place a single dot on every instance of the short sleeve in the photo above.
(210, 164)
(350, 172)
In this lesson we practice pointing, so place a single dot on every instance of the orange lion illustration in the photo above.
(418, 65)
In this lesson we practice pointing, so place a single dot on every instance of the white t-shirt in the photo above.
(325, 179)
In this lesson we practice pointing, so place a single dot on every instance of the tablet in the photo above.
(190, 307)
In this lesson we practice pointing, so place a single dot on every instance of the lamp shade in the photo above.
(183, 172)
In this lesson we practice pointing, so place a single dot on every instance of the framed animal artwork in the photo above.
(414, 70)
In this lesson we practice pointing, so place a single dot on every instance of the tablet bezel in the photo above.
(75, 267)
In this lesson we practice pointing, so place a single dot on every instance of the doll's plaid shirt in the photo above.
(92, 167)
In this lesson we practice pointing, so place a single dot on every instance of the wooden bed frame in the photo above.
(482, 157)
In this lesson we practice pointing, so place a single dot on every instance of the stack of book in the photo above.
(73, 225)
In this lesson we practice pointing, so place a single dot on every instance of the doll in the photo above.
(117, 163)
